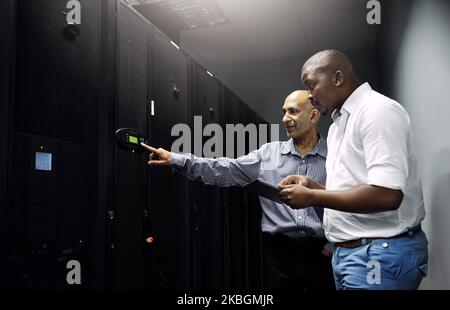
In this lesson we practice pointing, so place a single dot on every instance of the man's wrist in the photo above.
(176, 160)
(314, 196)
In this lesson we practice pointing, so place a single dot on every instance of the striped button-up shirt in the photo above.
(271, 162)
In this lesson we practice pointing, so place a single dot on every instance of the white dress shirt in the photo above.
(370, 142)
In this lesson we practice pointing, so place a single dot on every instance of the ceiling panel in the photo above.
(252, 10)
(343, 30)
(218, 44)
(311, 6)
(278, 39)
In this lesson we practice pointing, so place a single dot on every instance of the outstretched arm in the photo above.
(220, 172)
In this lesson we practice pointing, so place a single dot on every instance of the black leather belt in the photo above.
(359, 242)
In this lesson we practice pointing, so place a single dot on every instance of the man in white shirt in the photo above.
(373, 197)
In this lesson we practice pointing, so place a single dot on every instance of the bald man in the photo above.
(373, 196)
(294, 239)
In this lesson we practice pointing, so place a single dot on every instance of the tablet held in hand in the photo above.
(264, 189)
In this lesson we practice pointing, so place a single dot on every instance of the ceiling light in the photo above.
(195, 13)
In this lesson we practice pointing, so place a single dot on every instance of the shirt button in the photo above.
(299, 217)
(303, 161)
(385, 245)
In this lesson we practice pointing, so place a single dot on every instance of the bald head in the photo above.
(330, 61)
(301, 98)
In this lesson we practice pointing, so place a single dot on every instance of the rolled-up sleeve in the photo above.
(385, 133)
(222, 171)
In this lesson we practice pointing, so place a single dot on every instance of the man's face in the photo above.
(322, 91)
(297, 117)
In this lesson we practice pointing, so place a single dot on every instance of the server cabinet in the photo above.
(244, 237)
(103, 251)
(207, 213)
(48, 221)
(74, 195)
(53, 177)
(255, 267)
(130, 194)
(235, 205)
(7, 50)
(169, 201)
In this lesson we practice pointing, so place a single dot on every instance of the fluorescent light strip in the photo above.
(174, 44)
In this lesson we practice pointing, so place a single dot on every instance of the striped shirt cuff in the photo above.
(178, 160)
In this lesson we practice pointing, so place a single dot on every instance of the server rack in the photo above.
(169, 207)
(207, 212)
(74, 194)
(52, 182)
(245, 266)
(235, 206)
(7, 51)
(255, 258)
(130, 202)
(104, 275)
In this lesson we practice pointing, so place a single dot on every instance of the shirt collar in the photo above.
(287, 147)
(320, 148)
(352, 101)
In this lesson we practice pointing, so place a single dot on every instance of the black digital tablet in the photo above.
(264, 189)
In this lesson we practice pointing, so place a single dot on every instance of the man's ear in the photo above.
(338, 78)
(315, 116)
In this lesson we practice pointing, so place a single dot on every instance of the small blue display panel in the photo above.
(43, 161)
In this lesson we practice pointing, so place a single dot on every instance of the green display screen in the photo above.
(133, 139)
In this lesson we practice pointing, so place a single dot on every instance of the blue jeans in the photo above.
(384, 264)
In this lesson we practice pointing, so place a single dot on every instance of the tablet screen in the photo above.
(264, 189)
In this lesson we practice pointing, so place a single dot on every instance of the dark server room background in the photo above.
(98, 203)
